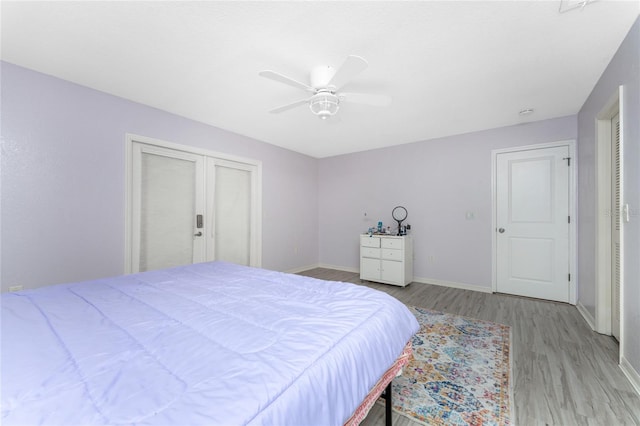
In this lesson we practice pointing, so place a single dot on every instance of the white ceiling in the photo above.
(451, 67)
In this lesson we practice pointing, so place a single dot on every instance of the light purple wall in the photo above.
(63, 181)
(438, 181)
(624, 69)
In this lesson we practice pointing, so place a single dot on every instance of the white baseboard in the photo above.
(322, 265)
(631, 374)
(415, 279)
(301, 269)
(452, 284)
(587, 316)
(339, 268)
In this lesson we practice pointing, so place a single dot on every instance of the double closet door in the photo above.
(188, 207)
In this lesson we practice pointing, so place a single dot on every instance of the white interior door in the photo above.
(532, 218)
(230, 197)
(616, 226)
(168, 193)
(170, 187)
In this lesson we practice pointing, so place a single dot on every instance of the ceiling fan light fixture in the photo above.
(324, 104)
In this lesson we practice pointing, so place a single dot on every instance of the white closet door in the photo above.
(170, 186)
(230, 191)
(170, 195)
(616, 227)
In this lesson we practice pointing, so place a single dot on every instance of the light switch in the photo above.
(625, 213)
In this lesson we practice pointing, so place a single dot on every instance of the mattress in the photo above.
(211, 343)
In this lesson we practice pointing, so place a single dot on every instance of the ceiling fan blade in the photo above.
(272, 75)
(289, 106)
(366, 99)
(353, 66)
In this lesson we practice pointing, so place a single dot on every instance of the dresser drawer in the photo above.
(370, 252)
(390, 254)
(392, 243)
(367, 241)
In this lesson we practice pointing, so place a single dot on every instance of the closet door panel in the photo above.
(169, 185)
(231, 213)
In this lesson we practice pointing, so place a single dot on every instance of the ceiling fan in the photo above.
(325, 82)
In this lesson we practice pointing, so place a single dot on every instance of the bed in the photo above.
(211, 343)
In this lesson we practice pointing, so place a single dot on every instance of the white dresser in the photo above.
(387, 259)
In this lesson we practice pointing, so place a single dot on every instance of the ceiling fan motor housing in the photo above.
(321, 76)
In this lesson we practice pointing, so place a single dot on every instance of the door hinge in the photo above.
(569, 277)
(568, 219)
(568, 161)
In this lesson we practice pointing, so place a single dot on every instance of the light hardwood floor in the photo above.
(563, 372)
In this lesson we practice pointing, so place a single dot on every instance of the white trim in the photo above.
(339, 268)
(302, 269)
(257, 217)
(191, 149)
(130, 138)
(128, 201)
(631, 374)
(419, 280)
(586, 315)
(623, 338)
(573, 226)
(451, 284)
(603, 215)
(322, 265)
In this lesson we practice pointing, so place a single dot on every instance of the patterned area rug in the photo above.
(459, 373)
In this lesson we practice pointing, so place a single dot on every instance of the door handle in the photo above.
(501, 230)
(199, 234)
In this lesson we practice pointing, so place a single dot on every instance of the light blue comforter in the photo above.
(205, 344)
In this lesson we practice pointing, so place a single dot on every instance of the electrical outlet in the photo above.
(15, 288)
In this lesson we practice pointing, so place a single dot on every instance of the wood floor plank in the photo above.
(563, 372)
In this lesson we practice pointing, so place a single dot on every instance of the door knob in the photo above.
(501, 230)
(199, 234)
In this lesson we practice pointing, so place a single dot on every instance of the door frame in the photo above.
(573, 174)
(603, 216)
(256, 199)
